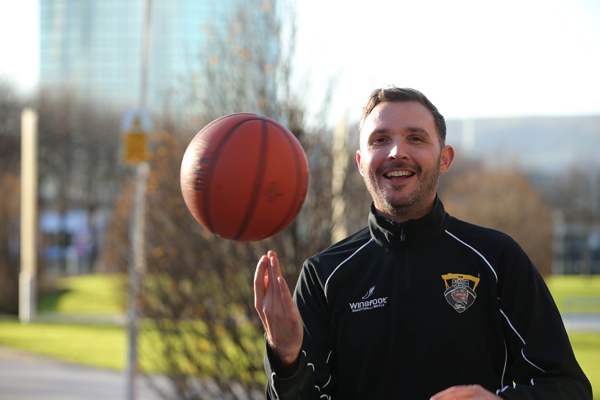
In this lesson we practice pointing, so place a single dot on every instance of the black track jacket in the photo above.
(404, 311)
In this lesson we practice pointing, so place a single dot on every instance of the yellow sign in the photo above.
(136, 146)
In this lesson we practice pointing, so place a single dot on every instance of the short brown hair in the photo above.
(393, 94)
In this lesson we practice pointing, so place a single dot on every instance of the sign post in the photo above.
(29, 176)
(136, 152)
(135, 128)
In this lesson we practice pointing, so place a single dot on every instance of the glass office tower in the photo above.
(93, 48)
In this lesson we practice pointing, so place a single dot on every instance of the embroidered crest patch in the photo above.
(460, 295)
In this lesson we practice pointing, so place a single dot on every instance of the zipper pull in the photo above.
(402, 236)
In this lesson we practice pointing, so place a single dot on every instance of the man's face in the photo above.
(400, 159)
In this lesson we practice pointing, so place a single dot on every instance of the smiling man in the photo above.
(417, 305)
(401, 157)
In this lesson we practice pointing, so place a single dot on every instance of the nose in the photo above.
(397, 151)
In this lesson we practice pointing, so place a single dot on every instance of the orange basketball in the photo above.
(244, 177)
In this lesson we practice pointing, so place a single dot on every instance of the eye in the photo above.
(378, 140)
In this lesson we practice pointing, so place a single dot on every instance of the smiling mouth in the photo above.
(393, 174)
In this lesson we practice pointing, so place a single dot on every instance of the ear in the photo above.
(446, 159)
(358, 162)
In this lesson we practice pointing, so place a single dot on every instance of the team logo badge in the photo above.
(460, 295)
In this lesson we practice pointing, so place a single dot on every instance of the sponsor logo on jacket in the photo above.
(460, 295)
(368, 304)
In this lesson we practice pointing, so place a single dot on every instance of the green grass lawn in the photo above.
(86, 294)
(105, 345)
(93, 345)
(576, 294)
(89, 344)
(587, 351)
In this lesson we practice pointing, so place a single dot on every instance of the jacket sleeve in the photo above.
(540, 363)
(313, 379)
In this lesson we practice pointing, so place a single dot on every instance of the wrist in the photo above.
(287, 369)
(284, 365)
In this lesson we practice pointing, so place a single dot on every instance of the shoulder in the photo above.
(324, 263)
(317, 269)
(483, 238)
(499, 250)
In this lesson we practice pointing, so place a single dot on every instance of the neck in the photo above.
(402, 214)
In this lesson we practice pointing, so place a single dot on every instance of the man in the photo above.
(417, 305)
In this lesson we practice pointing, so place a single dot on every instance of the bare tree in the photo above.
(576, 194)
(202, 330)
(11, 105)
(504, 200)
(78, 156)
(10, 186)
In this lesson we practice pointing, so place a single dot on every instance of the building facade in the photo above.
(93, 49)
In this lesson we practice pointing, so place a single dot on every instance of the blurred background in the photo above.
(517, 82)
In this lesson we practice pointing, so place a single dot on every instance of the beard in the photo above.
(389, 198)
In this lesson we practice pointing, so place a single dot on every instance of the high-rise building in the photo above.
(93, 48)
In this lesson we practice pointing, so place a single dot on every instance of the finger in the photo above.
(274, 262)
(286, 296)
(273, 289)
(260, 283)
(260, 275)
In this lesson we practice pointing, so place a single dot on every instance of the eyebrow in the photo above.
(417, 129)
(413, 129)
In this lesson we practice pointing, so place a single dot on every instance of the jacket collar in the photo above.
(413, 232)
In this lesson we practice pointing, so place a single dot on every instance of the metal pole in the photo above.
(137, 267)
(145, 55)
(28, 274)
(137, 264)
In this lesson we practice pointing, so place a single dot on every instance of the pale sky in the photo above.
(472, 58)
(19, 58)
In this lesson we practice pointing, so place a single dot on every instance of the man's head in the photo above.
(392, 94)
(402, 152)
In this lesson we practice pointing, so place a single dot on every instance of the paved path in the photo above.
(582, 322)
(25, 376)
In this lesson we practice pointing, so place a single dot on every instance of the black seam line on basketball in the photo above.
(230, 116)
(298, 182)
(211, 172)
(258, 179)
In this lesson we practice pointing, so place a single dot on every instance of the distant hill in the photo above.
(535, 143)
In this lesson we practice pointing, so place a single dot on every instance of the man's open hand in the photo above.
(279, 315)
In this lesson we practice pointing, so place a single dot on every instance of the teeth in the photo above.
(399, 173)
